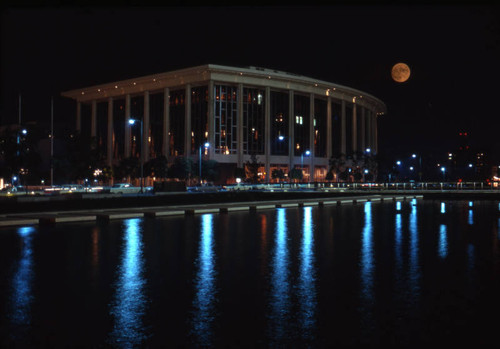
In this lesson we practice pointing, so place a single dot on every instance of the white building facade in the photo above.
(229, 114)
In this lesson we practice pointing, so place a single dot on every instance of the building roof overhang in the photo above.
(201, 74)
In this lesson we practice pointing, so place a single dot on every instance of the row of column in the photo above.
(369, 123)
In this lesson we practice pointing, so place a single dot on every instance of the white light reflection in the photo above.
(367, 263)
(443, 208)
(205, 285)
(280, 284)
(443, 241)
(414, 269)
(307, 290)
(129, 303)
(22, 281)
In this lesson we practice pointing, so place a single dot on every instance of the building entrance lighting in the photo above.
(206, 145)
(132, 122)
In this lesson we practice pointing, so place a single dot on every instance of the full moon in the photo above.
(400, 72)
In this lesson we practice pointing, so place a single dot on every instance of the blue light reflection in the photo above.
(129, 302)
(471, 218)
(414, 272)
(443, 241)
(22, 293)
(443, 207)
(367, 260)
(398, 241)
(205, 285)
(307, 291)
(280, 284)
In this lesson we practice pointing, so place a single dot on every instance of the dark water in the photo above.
(391, 274)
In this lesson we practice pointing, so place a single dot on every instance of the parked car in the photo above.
(124, 188)
(16, 190)
(71, 188)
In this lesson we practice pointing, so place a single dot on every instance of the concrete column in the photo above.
(93, 125)
(93, 120)
(343, 133)
(363, 130)
(211, 120)
(166, 123)
(369, 129)
(375, 135)
(109, 140)
(267, 132)
(239, 122)
(291, 124)
(312, 148)
(145, 124)
(78, 126)
(126, 150)
(354, 129)
(187, 122)
(329, 132)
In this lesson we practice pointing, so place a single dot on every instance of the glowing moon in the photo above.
(400, 72)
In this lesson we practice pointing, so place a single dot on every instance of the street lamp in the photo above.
(443, 169)
(307, 152)
(414, 156)
(206, 145)
(133, 122)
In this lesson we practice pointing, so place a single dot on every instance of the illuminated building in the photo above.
(275, 115)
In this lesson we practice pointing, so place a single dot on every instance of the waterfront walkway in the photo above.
(92, 215)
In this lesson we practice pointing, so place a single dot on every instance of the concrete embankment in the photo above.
(185, 204)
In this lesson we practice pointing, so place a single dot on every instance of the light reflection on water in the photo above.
(22, 293)
(367, 258)
(398, 242)
(443, 241)
(280, 282)
(307, 289)
(204, 307)
(129, 302)
(414, 272)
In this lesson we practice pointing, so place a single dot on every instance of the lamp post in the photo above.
(307, 152)
(443, 169)
(132, 122)
(206, 145)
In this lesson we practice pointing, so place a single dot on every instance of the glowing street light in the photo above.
(307, 153)
(206, 145)
(132, 122)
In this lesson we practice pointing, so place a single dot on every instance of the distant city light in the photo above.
(414, 155)
(281, 137)
(24, 131)
(470, 165)
(398, 162)
(368, 150)
(411, 168)
(308, 152)
(443, 169)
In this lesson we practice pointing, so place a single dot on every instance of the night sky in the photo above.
(453, 53)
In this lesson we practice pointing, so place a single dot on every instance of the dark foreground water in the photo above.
(400, 274)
